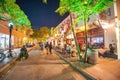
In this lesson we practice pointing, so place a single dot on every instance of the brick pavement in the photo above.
(105, 69)
(40, 66)
(9, 61)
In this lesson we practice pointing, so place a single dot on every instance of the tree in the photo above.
(17, 16)
(44, 31)
(41, 34)
(83, 8)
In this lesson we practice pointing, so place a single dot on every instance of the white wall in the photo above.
(109, 36)
(116, 8)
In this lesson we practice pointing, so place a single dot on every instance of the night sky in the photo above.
(41, 14)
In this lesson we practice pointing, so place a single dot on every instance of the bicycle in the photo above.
(12, 53)
(2, 55)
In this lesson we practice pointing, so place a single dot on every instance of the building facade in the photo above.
(16, 39)
(103, 30)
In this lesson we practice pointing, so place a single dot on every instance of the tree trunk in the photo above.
(76, 43)
(85, 34)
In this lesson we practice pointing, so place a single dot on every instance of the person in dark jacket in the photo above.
(50, 48)
(111, 48)
(23, 52)
(47, 47)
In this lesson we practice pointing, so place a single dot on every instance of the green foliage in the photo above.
(44, 1)
(17, 16)
(83, 8)
(41, 33)
(51, 32)
(44, 32)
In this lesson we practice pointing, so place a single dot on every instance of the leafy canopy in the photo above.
(17, 16)
(83, 8)
(41, 33)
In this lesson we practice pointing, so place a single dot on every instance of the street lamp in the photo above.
(10, 25)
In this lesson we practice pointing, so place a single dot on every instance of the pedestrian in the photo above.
(23, 52)
(73, 51)
(111, 49)
(64, 49)
(68, 50)
(47, 47)
(41, 46)
(50, 48)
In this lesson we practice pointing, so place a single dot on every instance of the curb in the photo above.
(85, 74)
(8, 66)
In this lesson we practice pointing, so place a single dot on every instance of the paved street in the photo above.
(40, 66)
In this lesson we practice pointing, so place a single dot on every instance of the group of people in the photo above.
(48, 47)
(69, 50)
(110, 51)
(24, 52)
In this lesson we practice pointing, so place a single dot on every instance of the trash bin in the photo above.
(92, 59)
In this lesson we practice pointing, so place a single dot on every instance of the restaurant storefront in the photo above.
(100, 34)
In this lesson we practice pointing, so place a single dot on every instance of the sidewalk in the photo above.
(105, 69)
(9, 61)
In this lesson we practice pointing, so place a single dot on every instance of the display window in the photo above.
(7, 41)
(97, 40)
(2, 40)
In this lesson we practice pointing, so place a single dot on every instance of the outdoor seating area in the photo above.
(106, 53)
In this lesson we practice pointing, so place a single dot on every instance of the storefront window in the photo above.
(2, 41)
(7, 41)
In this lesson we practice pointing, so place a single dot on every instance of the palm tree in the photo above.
(83, 8)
